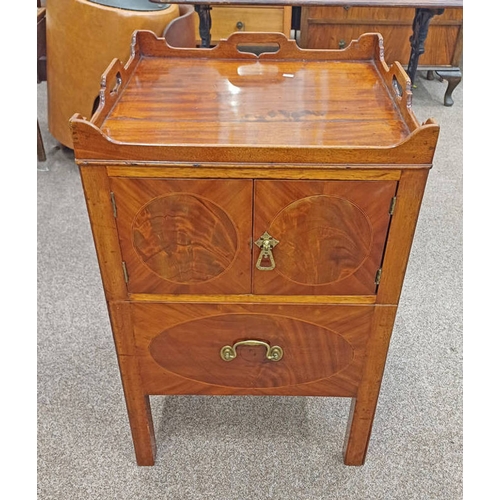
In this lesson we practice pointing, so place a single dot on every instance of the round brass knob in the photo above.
(240, 26)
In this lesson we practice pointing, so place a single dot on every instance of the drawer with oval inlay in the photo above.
(251, 348)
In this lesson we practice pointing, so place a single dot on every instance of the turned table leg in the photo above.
(417, 40)
(205, 24)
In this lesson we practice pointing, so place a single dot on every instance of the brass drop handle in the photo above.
(266, 243)
(274, 353)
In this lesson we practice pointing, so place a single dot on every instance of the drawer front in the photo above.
(330, 236)
(184, 236)
(227, 20)
(251, 349)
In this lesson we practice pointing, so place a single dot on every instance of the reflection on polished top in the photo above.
(228, 104)
(254, 102)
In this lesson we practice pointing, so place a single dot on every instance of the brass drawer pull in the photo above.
(274, 353)
(266, 243)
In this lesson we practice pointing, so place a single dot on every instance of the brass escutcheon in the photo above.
(274, 353)
(266, 243)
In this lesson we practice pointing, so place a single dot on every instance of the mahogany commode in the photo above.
(253, 218)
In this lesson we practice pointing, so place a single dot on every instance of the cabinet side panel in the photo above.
(100, 209)
(409, 198)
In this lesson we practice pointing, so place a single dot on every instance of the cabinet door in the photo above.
(331, 235)
(185, 236)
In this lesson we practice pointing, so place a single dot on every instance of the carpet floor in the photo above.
(251, 448)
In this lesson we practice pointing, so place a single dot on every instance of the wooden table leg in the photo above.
(139, 412)
(364, 405)
(137, 401)
(40, 148)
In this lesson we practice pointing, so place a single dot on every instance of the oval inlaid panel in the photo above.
(184, 238)
(323, 239)
(310, 352)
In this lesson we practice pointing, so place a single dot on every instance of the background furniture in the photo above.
(84, 445)
(334, 27)
(253, 218)
(227, 19)
(181, 31)
(41, 68)
(82, 38)
(423, 12)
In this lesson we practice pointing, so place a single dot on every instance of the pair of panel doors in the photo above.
(205, 236)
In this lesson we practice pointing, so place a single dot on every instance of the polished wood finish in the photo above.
(185, 236)
(178, 347)
(332, 235)
(138, 405)
(181, 181)
(363, 406)
(97, 197)
(228, 122)
(435, 35)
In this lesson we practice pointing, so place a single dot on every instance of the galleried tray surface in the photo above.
(291, 105)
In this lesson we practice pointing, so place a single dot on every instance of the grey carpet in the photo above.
(250, 447)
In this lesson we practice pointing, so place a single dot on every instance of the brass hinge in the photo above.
(113, 203)
(377, 276)
(392, 205)
(125, 272)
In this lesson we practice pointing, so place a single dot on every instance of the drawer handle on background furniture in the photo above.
(266, 243)
(274, 353)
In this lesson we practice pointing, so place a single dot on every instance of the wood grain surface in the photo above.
(328, 27)
(331, 235)
(208, 165)
(185, 236)
(295, 105)
(178, 347)
(266, 103)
